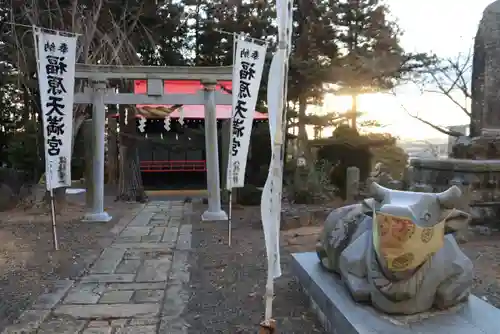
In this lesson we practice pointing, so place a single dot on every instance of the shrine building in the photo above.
(173, 155)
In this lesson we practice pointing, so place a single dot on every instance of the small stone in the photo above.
(148, 296)
(116, 297)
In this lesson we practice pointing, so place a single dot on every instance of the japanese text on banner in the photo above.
(247, 74)
(56, 79)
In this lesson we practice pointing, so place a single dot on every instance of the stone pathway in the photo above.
(138, 285)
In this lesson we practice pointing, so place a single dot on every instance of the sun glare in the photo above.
(393, 112)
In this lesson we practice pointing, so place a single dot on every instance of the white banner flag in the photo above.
(270, 205)
(56, 80)
(247, 72)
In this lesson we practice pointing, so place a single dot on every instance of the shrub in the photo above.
(249, 195)
(309, 185)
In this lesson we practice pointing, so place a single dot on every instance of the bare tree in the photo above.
(108, 33)
(449, 77)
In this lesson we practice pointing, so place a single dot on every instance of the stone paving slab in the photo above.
(108, 261)
(108, 311)
(85, 293)
(138, 285)
(50, 299)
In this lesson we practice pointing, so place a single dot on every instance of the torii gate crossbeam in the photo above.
(99, 96)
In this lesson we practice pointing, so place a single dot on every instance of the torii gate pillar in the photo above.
(214, 211)
(97, 213)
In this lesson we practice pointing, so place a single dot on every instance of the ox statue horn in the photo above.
(378, 192)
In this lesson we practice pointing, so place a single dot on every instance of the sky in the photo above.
(444, 27)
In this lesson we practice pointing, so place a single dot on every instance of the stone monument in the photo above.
(486, 73)
(485, 86)
(390, 264)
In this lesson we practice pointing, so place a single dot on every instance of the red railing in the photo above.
(173, 166)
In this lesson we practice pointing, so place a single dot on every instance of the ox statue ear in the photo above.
(449, 199)
(455, 220)
(378, 192)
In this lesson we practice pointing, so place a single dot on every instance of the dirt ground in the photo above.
(229, 281)
(28, 262)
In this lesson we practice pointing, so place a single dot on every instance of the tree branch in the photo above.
(435, 127)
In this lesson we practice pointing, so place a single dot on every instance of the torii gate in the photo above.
(98, 95)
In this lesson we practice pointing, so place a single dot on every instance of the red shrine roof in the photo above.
(190, 111)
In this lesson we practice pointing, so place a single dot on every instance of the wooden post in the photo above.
(112, 159)
(268, 327)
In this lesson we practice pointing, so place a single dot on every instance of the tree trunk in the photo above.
(302, 137)
(130, 186)
(354, 111)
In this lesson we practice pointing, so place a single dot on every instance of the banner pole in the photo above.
(229, 169)
(229, 218)
(48, 171)
(48, 179)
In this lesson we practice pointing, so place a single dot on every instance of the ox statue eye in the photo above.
(426, 217)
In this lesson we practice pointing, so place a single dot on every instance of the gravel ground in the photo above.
(484, 251)
(228, 282)
(28, 262)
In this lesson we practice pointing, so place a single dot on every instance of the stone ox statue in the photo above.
(393, 250)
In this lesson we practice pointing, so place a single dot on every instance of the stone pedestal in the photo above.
(338, 312)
